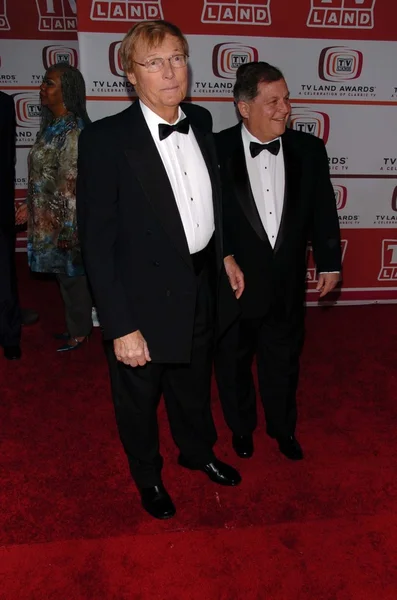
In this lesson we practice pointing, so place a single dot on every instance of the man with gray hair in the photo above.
(277, 196)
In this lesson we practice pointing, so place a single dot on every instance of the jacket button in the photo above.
(156, 263)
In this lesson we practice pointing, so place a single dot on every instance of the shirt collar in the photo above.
(248, 137)
(153, 120)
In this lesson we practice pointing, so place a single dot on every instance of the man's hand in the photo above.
(235, 275)
(327, 282)
(132, 349)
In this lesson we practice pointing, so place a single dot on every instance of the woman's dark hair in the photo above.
(248, 77)
(73, 93)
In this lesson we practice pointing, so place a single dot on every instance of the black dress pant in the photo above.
(10, 314)
(277, 343)
(186, 389)
(78, 304)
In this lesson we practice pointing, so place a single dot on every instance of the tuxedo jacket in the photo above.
(134, 245)
(275, 278)
(7, 163)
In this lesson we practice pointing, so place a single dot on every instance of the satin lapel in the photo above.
(292, 167)
(148, 168)
(239, 174)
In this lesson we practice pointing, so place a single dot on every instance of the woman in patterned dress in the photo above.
(50, 209)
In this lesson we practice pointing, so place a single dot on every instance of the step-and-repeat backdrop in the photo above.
(339, 60)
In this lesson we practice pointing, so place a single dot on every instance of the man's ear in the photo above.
(244, 109)
(131, 77)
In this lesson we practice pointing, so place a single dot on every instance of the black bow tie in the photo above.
(166, 130)
(273, 147)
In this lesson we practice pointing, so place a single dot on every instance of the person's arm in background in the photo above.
(325, 234)
(7, 161)
(65, 195)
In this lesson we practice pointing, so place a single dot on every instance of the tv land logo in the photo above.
(239, 12)
(389, 163)
(310, 121)
(53, 55)
(388, 270)
(394, 200)
(4, 23)
(126, 10)
(228, 57)
(27, 112)
(57, 15)
(118, 84)
(115, 65)
(339, 63)
(340, 196)
(27, 109)
(311, 272)
(342, 14)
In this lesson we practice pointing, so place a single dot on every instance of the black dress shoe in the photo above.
(243, 445)
(12, 352)
(290, 447)
(72, 344)
(157, 502)
(217, 471)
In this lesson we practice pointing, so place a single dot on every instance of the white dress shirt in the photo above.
(189, 179)
(267, 178)
(266, 174)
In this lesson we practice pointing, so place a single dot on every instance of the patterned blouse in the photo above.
(52, 199)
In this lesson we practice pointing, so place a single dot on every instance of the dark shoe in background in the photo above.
(157, 502)
(12, 352)
(216, 470)
(73, 344)
(290, 447)
(243, 445)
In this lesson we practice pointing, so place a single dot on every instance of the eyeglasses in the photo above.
(156, 64)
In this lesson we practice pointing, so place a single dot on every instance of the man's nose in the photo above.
(284, 108)
(168, 71)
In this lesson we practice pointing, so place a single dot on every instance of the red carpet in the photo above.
(323, 529)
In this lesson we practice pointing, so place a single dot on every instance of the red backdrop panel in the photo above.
(341, 19)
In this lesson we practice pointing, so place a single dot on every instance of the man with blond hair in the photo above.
(149, 217)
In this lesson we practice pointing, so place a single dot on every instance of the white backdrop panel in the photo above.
(323, 69)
